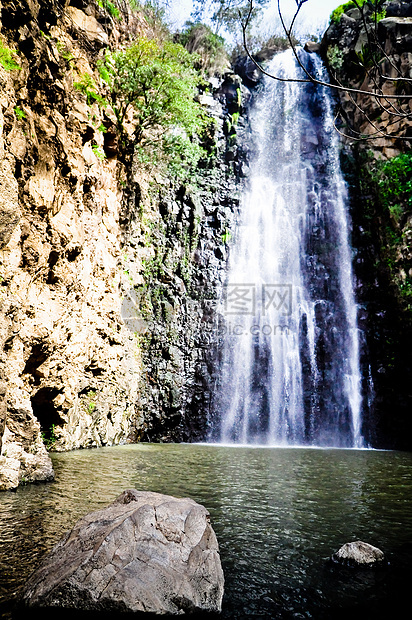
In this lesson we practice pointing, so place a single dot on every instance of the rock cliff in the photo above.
(102, 285)
(370, 57)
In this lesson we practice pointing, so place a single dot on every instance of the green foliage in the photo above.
(335, 57)
(98, 151)
(90, 404)
(154, 14)
(110, 8)
(88, 87)
(390, 185)
(199, 39)
(46, 36)
(20, 114)
(226, 237)
(7, 58)
(375, 5)
(377, 16)
(395, 184)
(157, 80)
(49, 438)
(368, 57)
(64, 52)
(228, 13)
(341, 9)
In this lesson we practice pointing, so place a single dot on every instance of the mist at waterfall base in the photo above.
(289, 367)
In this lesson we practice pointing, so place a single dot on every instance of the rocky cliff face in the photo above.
(101, 280)
(184, 271)
(381, 236)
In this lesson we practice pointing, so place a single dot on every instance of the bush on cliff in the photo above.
(7, 58)
(375, 5)
(158, 82)
(199, 39)
(389, 186)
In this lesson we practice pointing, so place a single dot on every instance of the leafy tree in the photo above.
(227, 13)
(199, 39)
(157, 80)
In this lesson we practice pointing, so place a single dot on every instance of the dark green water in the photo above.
(278, 514)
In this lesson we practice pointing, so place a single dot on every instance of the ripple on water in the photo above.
(278, 514)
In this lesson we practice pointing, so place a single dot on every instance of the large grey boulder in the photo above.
(358, 553)
(146, 552)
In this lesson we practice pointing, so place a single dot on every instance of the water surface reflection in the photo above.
(278, 515)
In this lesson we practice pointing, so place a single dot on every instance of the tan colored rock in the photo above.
(88, 25)
(67, 359)
(9, 473)
(9, 202)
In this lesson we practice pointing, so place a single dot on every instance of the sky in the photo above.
(313, 16)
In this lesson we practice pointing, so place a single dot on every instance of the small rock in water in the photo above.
(358, 553)
(312, 48)
(146, 552)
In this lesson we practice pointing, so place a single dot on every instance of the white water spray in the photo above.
(290, 368)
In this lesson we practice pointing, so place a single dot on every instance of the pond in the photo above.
(278, 513)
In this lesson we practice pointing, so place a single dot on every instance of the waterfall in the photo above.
(289, 372)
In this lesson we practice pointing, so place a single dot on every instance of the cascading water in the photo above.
(290, 362)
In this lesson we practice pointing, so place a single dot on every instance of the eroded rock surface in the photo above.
(106, 269)
(145, 552)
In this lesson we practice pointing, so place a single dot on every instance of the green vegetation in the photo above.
(389, 185)
(46, 36)
(395, 184)
(20, 114)
(88, 87)
(98, 151)
(157, 83)
(64, 52)
(226, 237)
(341, 9)
(226, 13)
(335, 57)
(375, 5)
(7, 58)
(110, 8)
(91, 405)
(210, 48)
(368, 57)
(49, 438)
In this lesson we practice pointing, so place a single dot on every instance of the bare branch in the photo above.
(390, 104)
(310, 77)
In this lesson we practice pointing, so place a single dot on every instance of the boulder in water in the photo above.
(312, 48)
(146, 552)
(358, 553)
